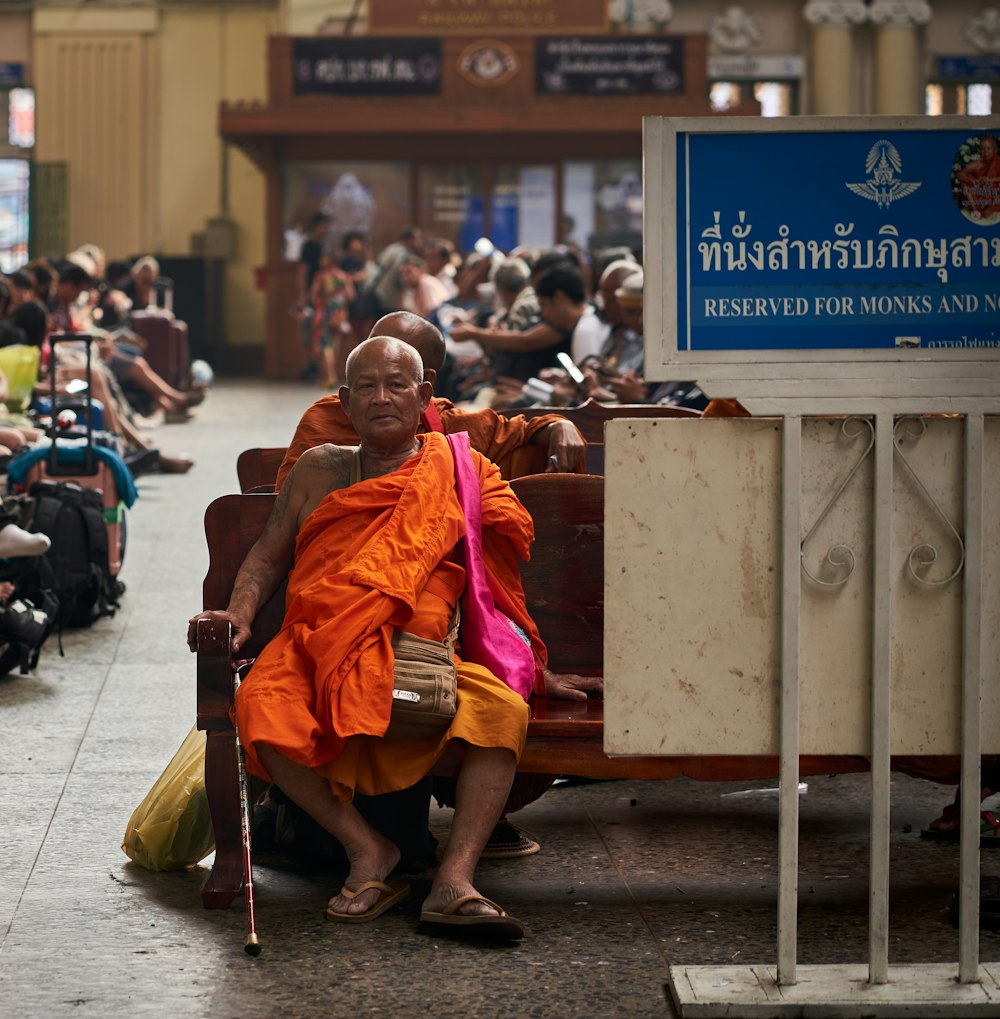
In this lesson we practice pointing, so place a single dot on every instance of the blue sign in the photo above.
(975, 67)
(820, 240)
(11, 73)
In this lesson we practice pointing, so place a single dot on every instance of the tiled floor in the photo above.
(633, 876)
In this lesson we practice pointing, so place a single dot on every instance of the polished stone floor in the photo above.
(633, 876)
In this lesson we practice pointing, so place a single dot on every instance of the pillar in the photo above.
(832, 71)
(896, 55)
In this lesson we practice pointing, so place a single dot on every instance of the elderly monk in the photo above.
(508, 442)
(496, 437)
(368, 558)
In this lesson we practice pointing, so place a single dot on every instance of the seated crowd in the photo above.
(86, 295)
(510, 321)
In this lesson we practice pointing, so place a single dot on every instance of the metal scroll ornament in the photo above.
(840, 557)
(924, 555)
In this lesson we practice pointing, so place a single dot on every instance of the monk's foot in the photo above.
(443, 893)
(372, 863)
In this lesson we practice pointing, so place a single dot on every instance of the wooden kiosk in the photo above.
(462, 101)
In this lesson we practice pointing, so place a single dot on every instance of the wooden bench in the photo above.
(564, 587)
(591, 417)
(257, 468)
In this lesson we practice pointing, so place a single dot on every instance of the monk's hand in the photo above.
(570, 687)
(566, 448)
(240, 628)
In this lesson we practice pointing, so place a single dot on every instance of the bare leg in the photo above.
(372, 857)
(11, 437)
(483, 784)
(147, 380)
(329, 376)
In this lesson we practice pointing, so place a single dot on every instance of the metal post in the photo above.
(972, 630)
(881, 732)
(791, 603)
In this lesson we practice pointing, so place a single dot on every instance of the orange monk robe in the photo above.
(499, 439)
(369, 559)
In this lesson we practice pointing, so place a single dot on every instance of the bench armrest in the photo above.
(215, 674)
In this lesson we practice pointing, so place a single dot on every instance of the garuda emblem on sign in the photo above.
(882, 187)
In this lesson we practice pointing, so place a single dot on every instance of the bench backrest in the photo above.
(590, 417)
(563, 582)
(232, 524)
(257, 469)
(564, 579)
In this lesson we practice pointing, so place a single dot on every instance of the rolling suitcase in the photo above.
(166, 338)
(83, 462)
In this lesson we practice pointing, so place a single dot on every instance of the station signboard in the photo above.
(818, 241)
(329, 65)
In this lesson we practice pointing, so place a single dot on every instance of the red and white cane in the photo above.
(252, 946)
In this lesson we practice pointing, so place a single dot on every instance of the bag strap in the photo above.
(452, 636)
(47, 506)
(355, 468)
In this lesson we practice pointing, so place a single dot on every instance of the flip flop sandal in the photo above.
(989, 831)
(499, 926)
(390, 892)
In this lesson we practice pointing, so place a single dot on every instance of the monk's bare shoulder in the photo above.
(330, 461)
(319, 471)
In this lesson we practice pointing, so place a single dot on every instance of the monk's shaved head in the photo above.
(420, 334)
(377, 349)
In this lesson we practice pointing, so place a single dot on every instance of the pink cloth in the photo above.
(488, 637)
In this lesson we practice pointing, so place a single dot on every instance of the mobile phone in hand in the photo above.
(571, 369)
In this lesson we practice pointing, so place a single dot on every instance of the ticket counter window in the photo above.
(451, 203)
(602, 204)
(966, 100)
(373, 197)
(770, 98)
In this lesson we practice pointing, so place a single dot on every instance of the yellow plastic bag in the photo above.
(19, 364)
(172, 827)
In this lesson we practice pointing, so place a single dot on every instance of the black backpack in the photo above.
(76, 567)
(24, 628)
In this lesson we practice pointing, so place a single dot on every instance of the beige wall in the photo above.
(207, 57)
(15, 38)
(95, 81)
(130, 101)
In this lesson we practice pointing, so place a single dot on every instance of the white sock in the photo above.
(16, 542)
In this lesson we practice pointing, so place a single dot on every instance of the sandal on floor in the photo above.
(989, 828)
(499, 926)
(508, 842)
(390, 892)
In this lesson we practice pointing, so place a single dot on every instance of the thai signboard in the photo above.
(476, 16)
(331, 65)
(609, 65)
(970, 67)
(869, 238)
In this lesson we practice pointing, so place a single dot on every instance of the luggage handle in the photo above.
(55, 468)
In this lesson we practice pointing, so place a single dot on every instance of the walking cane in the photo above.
(252, 946)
